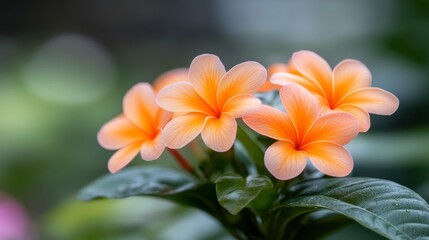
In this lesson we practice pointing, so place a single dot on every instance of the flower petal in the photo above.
(119, 132)
(272, 123)
(172, 76)
(301, 107)
(289, 78)
(123, 156)
(182, 129)
(205, 74)
(323, 105)
(140, 107)
(219, 133)
(314, 67)
(361, 115)
(182, 97)
(163, 117)
(274, 68)
(241, 105)
(244, 78)
(349, 75)
(330, 158)
(373, 100)
(335, 127)
(283, 161)
(152, 149)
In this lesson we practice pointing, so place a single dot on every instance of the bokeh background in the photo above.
(65, 66)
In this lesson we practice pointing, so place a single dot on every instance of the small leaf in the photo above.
(382, 206)
(138, 181)
(234, 192)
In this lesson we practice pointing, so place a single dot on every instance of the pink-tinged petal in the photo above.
(140, 107)
(283, 161)
(244, 78)
(272, 123)
(172, 76)
(163, 117)
(348, 76)
(335, 127)
(182, 97)
(123, 157)
(330, 158)
(314, 67)
(373, 100)
(241, 105)
(205, 74)
(323, 105)
(119, 132)
(152, 149)
(182, 129)
(274, 68)
(301, 106)
(361, 115)
(219, 133)
(289, 78)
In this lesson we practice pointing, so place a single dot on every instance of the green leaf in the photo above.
(174, 186)
(142, 181)
(234, 192)
(158, 182)
(316, 225)
(250, 144)
(382, 206)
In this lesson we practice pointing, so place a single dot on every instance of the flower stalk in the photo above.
(181, 160)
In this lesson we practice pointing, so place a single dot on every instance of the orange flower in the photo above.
(169, 77)
(138, 129)
(347, 88)
(210, 102)
(274, 68)
(302, 133)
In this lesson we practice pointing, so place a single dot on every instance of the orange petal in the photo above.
(244, 78)
(330, 158)
(272, 123)
(314, 67)
(119, 132)
(205, 74)
(361, 115)
(163, 117)
(289, 78)
(152, 149)
(301, 107)
(274, 68)
(219, 133)
(283, 161)
(268, 86)
(277, 67)
(323, 105)
(349, 75)
(373, 100)
(172, 76)
(140, 107)
(182, 129)
(335, 127)
(123, 156)
(241, 105)
(182, 97)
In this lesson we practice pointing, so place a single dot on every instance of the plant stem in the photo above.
(185, 165)
(181, 160)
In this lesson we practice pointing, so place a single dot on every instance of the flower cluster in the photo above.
(324, 110)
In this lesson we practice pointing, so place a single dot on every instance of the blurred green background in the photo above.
(65, 66)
